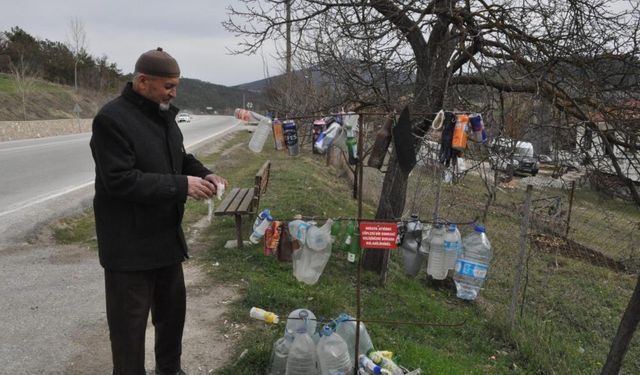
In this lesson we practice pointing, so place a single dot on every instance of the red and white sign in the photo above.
(378, 235)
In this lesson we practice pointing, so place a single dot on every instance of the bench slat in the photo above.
(237, 202)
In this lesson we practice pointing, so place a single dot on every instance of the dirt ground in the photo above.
(53, 320)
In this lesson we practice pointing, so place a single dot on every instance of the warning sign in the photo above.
(378, 235)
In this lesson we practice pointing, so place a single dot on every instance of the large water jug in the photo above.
(333, 357)
(452, 246)
(279, 355)
(300, 319)
(346, 328)
(436, 263)
(302, 358)
(412, 258)
(260, 135)
(472, 267)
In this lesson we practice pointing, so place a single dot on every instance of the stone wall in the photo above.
(13, 130)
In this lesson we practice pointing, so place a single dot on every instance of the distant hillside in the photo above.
(195, 96)
(48, 101)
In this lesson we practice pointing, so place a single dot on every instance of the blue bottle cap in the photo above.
(452, 228)
(478, 228)
(344, 317)
(326, 331)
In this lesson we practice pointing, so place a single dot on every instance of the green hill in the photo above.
(48, 101)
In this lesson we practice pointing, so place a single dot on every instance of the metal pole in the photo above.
(524, 227)
(573, 189)
(359, 177)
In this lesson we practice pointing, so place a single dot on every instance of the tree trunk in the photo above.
(390, 206)
(623, 337)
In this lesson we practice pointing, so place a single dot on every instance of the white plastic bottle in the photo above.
(279, 355)
(258, 232)
(298, 229)
(346, 328)
(302, 358)
(326, 137)
(452, 246)
(333, 357)
(436, 263)
(311, 259)
(472, 267)
(260, 135)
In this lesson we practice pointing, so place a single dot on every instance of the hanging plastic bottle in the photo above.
(260, 135)
(381, 145)
(478, 133)
(300, 319)
(279, 354)
(354, 250)
(436, 263)
(258, 231)
(319, 238)
(452, 246)
(412, 259)
(291, 137)
(278, 135)
(460, 133)
(336, 234)
(298, 230)
(318, 127)
(326, 137)
(472, 267)
(350, 124)
(302, 358)
(346, 328)
(333, 357)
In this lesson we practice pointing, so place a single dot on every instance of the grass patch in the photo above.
(78, 229)
(570, 312)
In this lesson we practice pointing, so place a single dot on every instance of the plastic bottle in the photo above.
(300, 319)
(258, 232)
(279, 355)
(384, 362)
(326, 137)
(354, 248)
(265, 316)
(369, 366)
(460, 133)
(436, 263)
(380, 145)
(477, 127)
(302, 358)
(333, 357)
(350, 123)
(319, 238)
(318, 128)
(472, 267)
(336, 234)
(452, 246)
(412, 259)
(278, 135)
(298, 230)
(260, 135)
(346, 328)
(291, 137)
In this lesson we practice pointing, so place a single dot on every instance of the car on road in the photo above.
(514, 156)
(183, 117)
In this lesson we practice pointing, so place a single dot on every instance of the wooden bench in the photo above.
(245, 201)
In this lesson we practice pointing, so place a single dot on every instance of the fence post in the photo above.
(524, 228)
(573, 189)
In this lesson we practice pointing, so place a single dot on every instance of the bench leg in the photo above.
(239, 230)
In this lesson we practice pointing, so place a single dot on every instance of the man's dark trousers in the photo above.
(130, 296)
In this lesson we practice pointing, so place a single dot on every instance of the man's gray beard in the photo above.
(165, 106)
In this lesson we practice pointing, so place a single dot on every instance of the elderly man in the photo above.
(143, 178)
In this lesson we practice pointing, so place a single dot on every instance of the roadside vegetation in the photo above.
(566, 322)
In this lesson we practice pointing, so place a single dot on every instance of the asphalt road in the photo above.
(36, 170)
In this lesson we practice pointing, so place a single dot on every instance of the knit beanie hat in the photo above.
(158, 63)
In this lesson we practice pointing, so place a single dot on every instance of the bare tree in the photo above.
(580, 56)
(77, 44)
(25, 78)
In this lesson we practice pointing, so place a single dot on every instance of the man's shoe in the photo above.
(181, 372)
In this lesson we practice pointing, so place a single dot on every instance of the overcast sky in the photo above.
(189, 30)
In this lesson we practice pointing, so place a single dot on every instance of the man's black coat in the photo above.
(141, 184)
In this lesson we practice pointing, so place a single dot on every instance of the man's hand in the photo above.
(199, 188)
(216, 180)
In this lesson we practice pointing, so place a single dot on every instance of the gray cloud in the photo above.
(190, 30)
